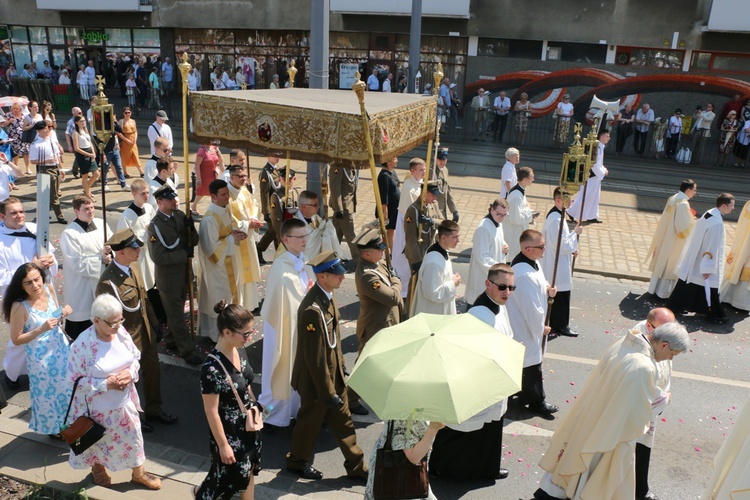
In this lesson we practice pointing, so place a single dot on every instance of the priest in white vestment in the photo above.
(218, 240)
(84, 259)
(592, 453)
(560, 315)
(435, 291)
(527, 308)
(731, 477)
(17, 247)
(735, 286)
(672, 232)
(137, 217)
(287, 284)
(488, 248)
(165, 174)
(410, 191)
(701, 265)
(247, 214)
(473, 449)
(656, 318)
(593, 186)
(520, 214)
(321, 233)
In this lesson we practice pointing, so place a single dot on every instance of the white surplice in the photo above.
(568, 245)
(593, 191)
(435, 290)
(139, 223)
(704, 251)
(671, 234)
(486, 251)
(527, 308)
(519, 217)
(321, 235)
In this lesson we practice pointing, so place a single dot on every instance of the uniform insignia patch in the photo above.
(263, 180)
(273, 205)
(310, 327)
(336, 171)
(376, 285)
(408, 219)
(152, 239)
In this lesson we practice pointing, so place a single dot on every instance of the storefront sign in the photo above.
(94, 36)
(346, 75)
(88, 5)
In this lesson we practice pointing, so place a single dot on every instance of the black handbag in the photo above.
(84, 432)
(396, 478)
(28, 135)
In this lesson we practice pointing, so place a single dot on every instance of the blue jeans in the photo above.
(114, 158)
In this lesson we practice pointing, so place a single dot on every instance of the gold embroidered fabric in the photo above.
(314, 124)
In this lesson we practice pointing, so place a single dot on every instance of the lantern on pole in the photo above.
(103, 116)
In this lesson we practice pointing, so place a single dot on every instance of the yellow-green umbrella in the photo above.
(435, 367)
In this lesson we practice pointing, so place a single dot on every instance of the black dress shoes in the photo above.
(145, 426)
(502, 474)
(359, 410)
(306, 472)
(544, 408)
(567, 332)
(164, 418)
(595, 221)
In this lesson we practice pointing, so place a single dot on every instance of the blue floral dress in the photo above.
(47, 358)
(223, 480)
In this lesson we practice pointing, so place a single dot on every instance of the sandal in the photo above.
(195, 491)
(148, 480)
(101, 478)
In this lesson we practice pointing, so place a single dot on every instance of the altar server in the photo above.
(487, 249)
(436, 283)
(594, 189)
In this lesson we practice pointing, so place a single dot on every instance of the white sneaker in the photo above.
(106, 189)
(125, 186)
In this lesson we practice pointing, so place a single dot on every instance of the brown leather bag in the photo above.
(84, 432)
(396, 478)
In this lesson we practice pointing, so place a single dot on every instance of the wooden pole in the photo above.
(580, 221)
(551, 300)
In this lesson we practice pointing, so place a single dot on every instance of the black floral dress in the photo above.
(223, 481)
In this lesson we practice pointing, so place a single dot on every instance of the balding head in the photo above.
(657, 317)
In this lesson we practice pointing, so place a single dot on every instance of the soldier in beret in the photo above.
(171, 240)
(321, 385)
(379, 292)
(124, 281)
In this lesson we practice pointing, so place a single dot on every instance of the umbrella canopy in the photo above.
(444, 368)
(314, 124)
(9, 100)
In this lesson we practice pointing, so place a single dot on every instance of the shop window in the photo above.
(73, 36)
(58, 56)
(19, 34)
(56, 36)
(22, 55)
(39, 54)
(146, 38)
(701, 61)
(581, 52)
(38, 34)
(731, 62)
(118, 36)
(655, 58)
(493, 47)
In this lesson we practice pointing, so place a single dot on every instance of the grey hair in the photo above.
(674, 334)
(511, 152)
(105, 306)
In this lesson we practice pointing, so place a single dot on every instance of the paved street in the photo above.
(709, 389)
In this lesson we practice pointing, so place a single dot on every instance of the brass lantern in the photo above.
(103, 115)
(576, 164)
(591, 145)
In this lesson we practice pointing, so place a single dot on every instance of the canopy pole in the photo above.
(185, 67)
(359, 89)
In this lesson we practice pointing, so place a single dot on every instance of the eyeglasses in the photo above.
(504, 287)
(50, 127)
(245, 335)
(126, 112)
(114, 323)
(540, 247)
(499, 215)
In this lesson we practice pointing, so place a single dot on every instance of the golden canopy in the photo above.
(314, 124)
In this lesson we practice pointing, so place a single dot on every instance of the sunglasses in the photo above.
(504, 287)
(540, 247)
(126, 112)
(245, 335)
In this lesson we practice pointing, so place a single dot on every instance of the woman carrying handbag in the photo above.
(234, 445)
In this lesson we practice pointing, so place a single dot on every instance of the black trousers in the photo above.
(672, 143)
(642, 460)
(532, 386)
(639, 141)
(559, 318)
(499, 125)
(269, 237)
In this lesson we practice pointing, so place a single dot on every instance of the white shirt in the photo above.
(15, 251)
(509, 174)
(111, 358)
(503, 103)
(155, 131)
(90, 75)
(386, 85)
(527, 308)
(5, 172)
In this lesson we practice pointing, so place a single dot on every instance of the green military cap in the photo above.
(124, 239)
(434, 187)
(327, 262)
(165, 192)
(282, 172)
(370, 238)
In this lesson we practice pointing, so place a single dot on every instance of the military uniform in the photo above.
(171, 240)
(342, 180)
(446, 204)
(269, 182)
(414, 250)
(277, 206)
(379, 292)
(139, 317)
(318, 377)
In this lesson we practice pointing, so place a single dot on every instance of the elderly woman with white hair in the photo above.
(509, 176)
(104, 361)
